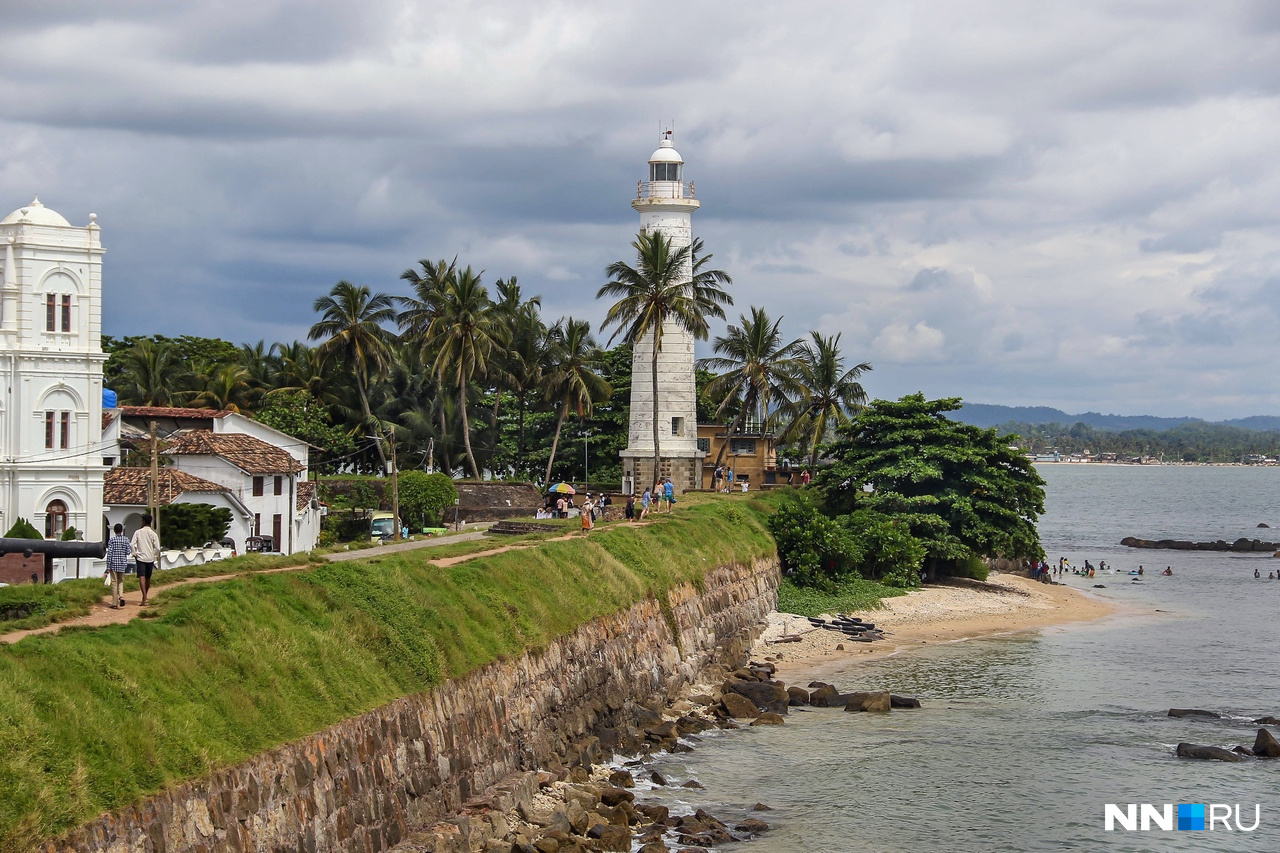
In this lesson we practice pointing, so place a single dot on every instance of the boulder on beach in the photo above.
(826, 696)
(1193, 712)
(767, 695)
(739, 706)
(797, 696)
(1266, 745)
(1207, 753)
(877, 702)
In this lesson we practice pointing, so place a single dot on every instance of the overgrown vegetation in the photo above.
(192, 525)
(846, 596)
(91, 720)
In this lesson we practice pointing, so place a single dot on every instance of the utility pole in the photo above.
(586, 462)
(153, 496)
(395, 486)
(431, 455)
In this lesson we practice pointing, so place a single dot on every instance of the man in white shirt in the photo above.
(146, 553)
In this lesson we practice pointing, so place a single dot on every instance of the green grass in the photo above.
(850, 596)
(94, 719)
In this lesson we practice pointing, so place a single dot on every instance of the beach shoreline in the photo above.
(945, 613)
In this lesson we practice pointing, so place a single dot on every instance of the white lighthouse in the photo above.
(666, 204)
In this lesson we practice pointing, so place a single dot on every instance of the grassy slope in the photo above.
(92, 719)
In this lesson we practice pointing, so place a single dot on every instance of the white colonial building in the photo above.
(666, 204)
(51, 470)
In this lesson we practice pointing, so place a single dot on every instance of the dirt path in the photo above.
(101, 614)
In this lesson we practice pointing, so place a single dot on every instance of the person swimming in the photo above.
(1168, 570)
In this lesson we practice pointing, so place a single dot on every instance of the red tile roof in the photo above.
(249, 454)
(171, 412)
(128, 486)
(306, 491)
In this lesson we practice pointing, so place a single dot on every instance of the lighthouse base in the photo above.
(685, 470)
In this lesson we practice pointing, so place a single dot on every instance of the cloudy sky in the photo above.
(1037, 203)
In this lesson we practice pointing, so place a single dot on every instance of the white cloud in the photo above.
(904, 344)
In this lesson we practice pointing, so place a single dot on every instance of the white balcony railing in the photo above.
(664, 189)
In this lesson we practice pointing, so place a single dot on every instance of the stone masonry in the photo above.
(363, 784)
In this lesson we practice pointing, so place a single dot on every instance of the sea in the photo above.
(1024, 739)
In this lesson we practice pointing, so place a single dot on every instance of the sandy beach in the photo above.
(1004, 604)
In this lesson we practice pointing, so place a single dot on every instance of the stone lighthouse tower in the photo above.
(666, 204)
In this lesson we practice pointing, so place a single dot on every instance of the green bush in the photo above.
(70, 534)
(814, 550)
(192, 525)
(973, 567)
(889, 552)
(23, 529)
(424, 497)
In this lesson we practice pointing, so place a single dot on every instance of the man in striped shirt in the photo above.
(118, 551)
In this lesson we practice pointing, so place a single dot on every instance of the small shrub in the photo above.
(814, 550)
(23, 529)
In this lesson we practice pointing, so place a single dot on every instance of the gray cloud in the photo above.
(1067, 204)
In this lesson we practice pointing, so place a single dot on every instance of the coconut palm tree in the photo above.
(754, 369)
(152, 374)
(574, 381)
(351, 326)
(667, 290)
(830, 393)
(224, 387)
(464, 332)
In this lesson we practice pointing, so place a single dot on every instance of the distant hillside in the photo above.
(988, 415)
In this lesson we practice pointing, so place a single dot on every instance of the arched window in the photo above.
(55, 520)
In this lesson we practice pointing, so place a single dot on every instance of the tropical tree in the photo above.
(829, 393)
(151, 374)
(574, 380)
(224, 387)
(668, 290)
(464, 331)
(754, 370)
(351, 327)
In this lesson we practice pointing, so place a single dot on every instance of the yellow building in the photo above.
(751, 455)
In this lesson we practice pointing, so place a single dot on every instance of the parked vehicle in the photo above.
(382, 527)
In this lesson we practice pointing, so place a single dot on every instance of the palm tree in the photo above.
(465, 332)
(351, 324)
(755, 368)
(225, 388)
(667, 290)
(152, 374)
(573, 381)
(830, 393)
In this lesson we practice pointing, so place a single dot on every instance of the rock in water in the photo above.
(879, 702)
(767, 695)
(1266, 745)
(1207, 753)
(1267, 721)
(797, 696)
(737, 705)
(768, 718)
(1193, 712)
(825, 696)
(903, 701)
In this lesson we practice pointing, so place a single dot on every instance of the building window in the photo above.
(66, 313)
(279, 485)
(704, 444)
(257, 487)
(48, 430)
(664, 171)
(50, 312)
(55, 520)
(677, 426)
(743, 446)
(65, 430)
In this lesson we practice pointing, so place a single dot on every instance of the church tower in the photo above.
(51, 458)
(666, 204)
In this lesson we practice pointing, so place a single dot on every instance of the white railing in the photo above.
(664, 189)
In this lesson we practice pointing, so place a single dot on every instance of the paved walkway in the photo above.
(100, 614)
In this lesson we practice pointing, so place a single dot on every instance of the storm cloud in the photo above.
(1034, 204)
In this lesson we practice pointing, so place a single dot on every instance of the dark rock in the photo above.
(1263, 524)
(692, 783)
(903, 701)
(745, 675)
(655, 847)
(658, 778)
(876, 702)
(656, 814)
(701, 699)
(767, 695)
(752, 825)
(622, 779)
(815, 684)
(739, 706)
(768, 718)
(611, 796)
(1099, 586)
(761, 807)
(1207, 753)
(611, 837)
(1266, 721)
(1266, 745)
(826, 696)
(797, 696)
(1242, 750)
(839, 647)
(1193, 712)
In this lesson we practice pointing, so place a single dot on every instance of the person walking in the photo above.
(118, 552)
(146, 553)
(716, 478)
(791, 477)
(804, 477)
(645, 500)
(631, 508)
(588, 519)
(668, 493)
(729, 488)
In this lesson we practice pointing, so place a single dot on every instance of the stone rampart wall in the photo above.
(363, 784)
